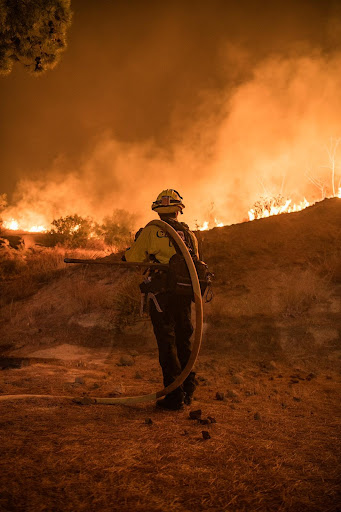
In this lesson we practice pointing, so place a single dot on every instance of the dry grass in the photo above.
(92, 302)
(302, 290)
(127, 301)
(65, 457)
(84, 297)
(24, 271)
(327, 264)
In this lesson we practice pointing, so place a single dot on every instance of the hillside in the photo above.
(276, 289)
(278, 281)
(267, 435)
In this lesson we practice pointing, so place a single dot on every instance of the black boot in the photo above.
(170, 405)
(173, 402)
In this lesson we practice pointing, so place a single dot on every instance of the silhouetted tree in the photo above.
(33, 32)
(72, 230)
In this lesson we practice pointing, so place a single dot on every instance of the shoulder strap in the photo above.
(183, 228)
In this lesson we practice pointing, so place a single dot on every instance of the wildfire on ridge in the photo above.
(267, 208)
(261, 209)
(207, 225)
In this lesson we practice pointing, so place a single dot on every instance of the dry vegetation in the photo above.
(271, 350)
(24, 271)
(274, 445)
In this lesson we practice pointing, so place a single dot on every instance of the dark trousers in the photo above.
(173, 330)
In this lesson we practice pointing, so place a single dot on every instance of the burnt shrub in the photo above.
(265, 204)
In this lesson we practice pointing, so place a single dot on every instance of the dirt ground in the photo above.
(273, 428)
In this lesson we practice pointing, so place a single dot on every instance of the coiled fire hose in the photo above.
(195, 348)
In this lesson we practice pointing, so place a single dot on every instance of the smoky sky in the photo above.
(158, 75)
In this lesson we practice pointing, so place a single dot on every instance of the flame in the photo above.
(207, 225)
(37, 229)
(204, 227)
(218, 224)
(267, 210)
(14, 225)
(262, 209)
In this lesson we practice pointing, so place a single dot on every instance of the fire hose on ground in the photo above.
(197, 335)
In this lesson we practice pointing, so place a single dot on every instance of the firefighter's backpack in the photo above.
(179, 279)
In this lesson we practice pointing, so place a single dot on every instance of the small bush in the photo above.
(72, 230)
(266, 204)
(117, 229)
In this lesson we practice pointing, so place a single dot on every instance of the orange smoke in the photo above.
(271, 136)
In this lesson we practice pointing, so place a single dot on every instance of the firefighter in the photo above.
(170, 314)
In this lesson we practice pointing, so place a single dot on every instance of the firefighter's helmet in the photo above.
(168, 201)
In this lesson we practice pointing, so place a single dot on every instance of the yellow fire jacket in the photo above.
(154, 241)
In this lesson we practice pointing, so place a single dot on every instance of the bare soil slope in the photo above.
(278, 282)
